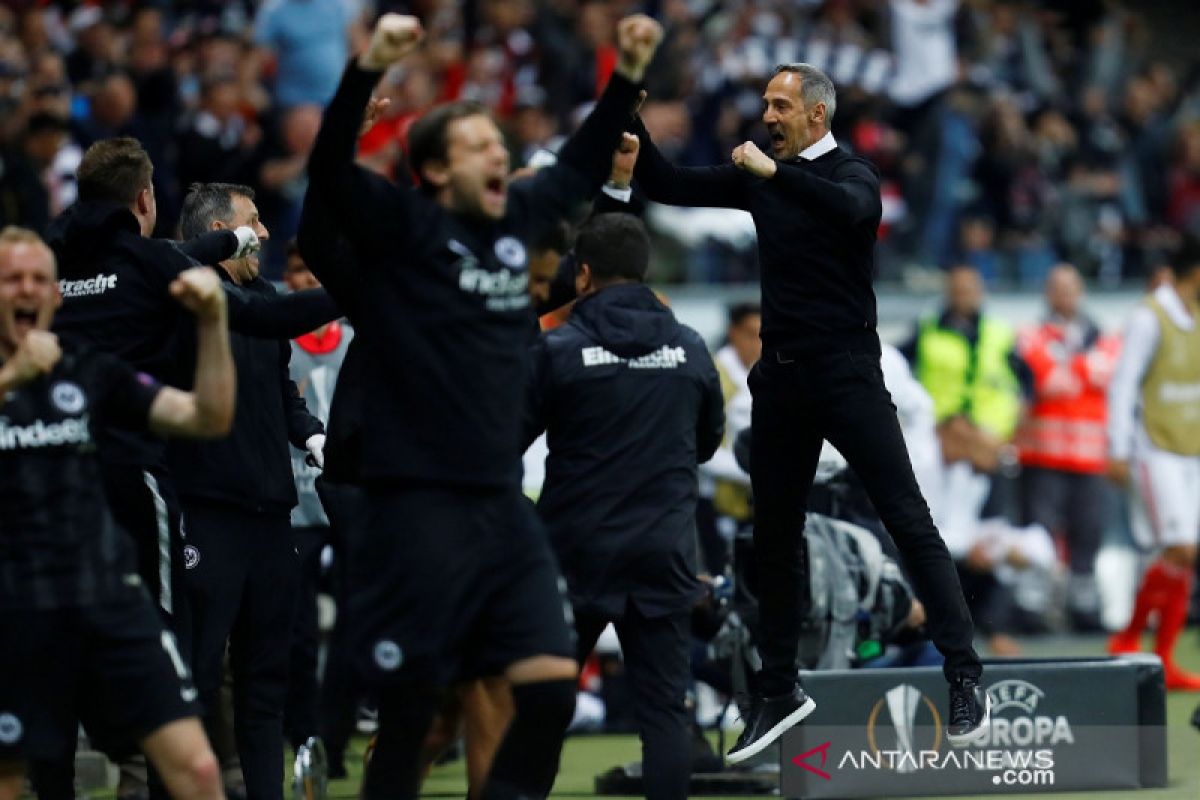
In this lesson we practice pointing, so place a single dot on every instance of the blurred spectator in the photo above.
(966, 359)
(111, 112)
(1008, 135)
(218, 144)
(1062, 441)
(723, 482)
(1183, 205)
(284, 179)
(310, 40)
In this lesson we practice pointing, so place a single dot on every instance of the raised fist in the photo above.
(637, 39)
(199, 290)
(395, 36)
(624, 159)
(755, 161)
(36, 355)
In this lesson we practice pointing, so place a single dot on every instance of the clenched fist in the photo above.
(395, 36)
(624, 159)
(755, 161)
(637, 39)
(199, 290)
(36, 355)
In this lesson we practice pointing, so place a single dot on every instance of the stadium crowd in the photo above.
(998, 141)
(1007, 134)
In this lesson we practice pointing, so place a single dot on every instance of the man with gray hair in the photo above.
(237, 493)
(817, 210)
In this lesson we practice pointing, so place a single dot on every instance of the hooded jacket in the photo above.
(631, 402)
(114, 283)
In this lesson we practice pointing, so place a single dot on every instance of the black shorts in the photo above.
(446, 584)
(112, 666)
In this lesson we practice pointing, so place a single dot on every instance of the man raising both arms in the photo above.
(453, 576)
(816, 209)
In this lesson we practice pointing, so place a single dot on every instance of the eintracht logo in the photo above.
(388, 655)
(10, 728)
(67, 397)
(907, 709)
(511, 252)
(191, 556)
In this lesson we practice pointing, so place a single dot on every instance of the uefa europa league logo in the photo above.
(902, 708)
(903, 703)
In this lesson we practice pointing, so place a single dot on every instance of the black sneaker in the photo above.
(769, 717)
(970, 713)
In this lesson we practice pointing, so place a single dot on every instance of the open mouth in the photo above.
(495, 186)
(777, 140)
(25, 320)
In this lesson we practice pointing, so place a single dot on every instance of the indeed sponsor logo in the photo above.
(41, 434)
(665, 357)
(89, 287)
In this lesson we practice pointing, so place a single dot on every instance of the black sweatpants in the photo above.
(300, 709)
(799, 401)
(241, 582)
(657, 654)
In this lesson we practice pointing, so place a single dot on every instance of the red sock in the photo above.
(1172, 615)
(1157, 587)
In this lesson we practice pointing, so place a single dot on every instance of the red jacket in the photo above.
(1065, 428)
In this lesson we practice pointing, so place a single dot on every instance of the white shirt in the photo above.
(1137, 351)
(923, 40)
(819, 148)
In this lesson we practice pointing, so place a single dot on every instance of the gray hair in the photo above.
(815, 87)
(206, 203)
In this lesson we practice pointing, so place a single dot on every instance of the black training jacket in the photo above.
(440, 299)
(631, 403)
(114, 285)
(251, 467)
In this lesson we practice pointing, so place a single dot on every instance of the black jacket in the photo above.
(252, 466)
(631, 403)
(114, 284)
(440, 299)
(816, 222)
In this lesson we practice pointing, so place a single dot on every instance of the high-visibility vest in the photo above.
(1171, 387)
(1065, 428)
(975, 381)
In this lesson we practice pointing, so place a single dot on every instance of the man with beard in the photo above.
(439, 296)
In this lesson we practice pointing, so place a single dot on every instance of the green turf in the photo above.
(585, 757)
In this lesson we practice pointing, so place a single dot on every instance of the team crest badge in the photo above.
(67, 397)
(511, 252)
(388, 655)
(10, 728)
(191, 556)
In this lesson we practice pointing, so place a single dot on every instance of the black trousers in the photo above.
(657, 654)
(300, 710)
(800, 400)
(242, 588)
(1074, 504)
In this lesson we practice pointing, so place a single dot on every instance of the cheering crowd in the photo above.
(179, 442)
(1007, 135)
